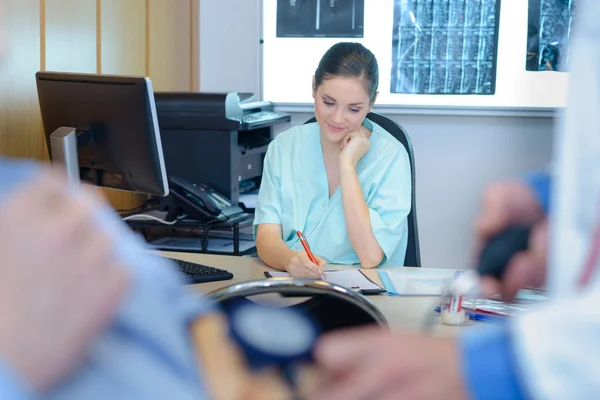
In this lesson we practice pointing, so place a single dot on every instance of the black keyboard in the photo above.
(199, 273)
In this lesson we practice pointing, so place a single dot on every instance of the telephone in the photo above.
(198, 201)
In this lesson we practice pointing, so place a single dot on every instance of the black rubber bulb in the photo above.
(497, 252)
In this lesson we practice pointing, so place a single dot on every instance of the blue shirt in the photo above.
(489, 365)
(541, 186)
(147, 352)
(294, 193)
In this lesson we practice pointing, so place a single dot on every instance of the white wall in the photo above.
(230, 57)
(455, 155)
(455, 158)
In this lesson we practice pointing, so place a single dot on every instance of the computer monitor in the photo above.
(104, 130)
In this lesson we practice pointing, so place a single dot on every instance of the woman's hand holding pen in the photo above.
(300, 266)
(355, 146)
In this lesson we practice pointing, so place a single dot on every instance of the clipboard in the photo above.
(353, 279)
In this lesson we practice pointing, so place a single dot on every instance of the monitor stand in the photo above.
(63, 151)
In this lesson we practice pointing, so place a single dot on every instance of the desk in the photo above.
(402, 312)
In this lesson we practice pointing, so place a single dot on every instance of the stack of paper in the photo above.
(525, 300)
(415, 281)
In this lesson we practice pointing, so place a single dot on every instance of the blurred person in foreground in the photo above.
(89, 313)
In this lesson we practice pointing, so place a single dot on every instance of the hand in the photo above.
(59, 285)
(370, 363)
(300, 266)
(504, 204)
(354, 146)
(525, 269)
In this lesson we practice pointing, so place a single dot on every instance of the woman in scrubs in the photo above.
(343, 181)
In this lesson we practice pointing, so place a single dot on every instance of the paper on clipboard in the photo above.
(349, 278)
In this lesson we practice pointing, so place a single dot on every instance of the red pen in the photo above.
(307, 249)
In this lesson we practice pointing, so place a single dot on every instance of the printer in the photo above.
(216, 139)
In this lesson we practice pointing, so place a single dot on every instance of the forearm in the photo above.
(358, 221)
(219, 357)
(273, 251)
(225, 371)
(224, 368)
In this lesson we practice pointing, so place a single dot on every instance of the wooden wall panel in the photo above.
(123, 34)
(71, 36)
(20, 125)
(156, 38)
(169, 65)
(195, 45)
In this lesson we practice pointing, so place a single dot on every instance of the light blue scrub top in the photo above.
(295, 194)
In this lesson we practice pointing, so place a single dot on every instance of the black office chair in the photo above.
(413, 252)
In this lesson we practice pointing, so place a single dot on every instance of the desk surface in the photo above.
(402, 312)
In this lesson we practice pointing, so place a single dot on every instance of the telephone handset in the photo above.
(201, 202)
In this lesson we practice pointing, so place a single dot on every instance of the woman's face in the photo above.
(341, 104)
